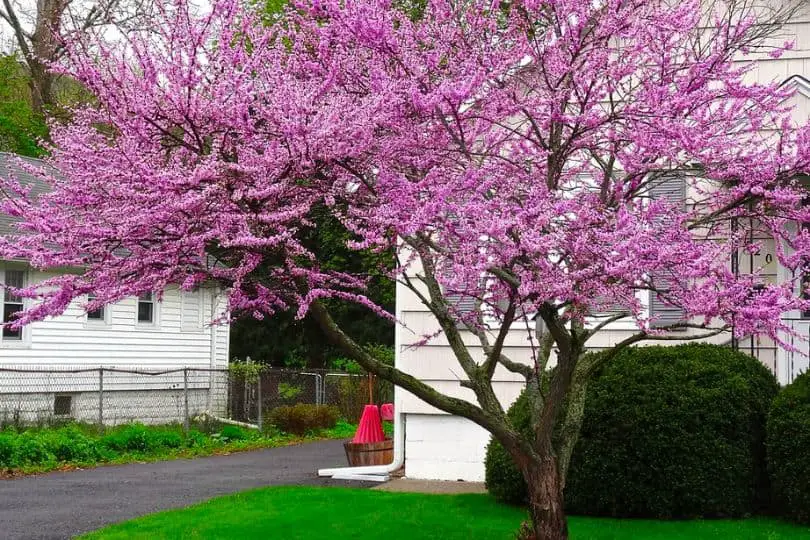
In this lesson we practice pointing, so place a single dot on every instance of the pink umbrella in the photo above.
(370, 428)
(387, 412)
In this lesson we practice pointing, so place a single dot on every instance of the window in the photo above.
(146, 308)
(96, 314)
(12, 303)
(62, 405)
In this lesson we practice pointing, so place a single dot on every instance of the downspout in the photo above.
(380, 473)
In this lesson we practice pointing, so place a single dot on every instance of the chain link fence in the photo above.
(112, 396)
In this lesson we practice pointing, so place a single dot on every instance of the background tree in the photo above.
(39, 31)
(285, 340)
(21, 128)
(509, 153)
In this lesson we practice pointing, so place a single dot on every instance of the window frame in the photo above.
(155, 321)
(24, 340)
(104, 320)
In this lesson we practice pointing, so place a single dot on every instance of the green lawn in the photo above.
(335, 513)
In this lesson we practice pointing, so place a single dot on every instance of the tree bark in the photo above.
(545, 492)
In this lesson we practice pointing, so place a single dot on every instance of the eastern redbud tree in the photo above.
(509, 152)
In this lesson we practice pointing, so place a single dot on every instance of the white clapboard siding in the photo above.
(181, 336)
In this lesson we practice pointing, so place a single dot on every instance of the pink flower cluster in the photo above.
(519, 145)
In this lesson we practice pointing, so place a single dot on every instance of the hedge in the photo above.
(788, 443)
(668, 432)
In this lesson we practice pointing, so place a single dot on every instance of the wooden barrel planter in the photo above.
(376, 453)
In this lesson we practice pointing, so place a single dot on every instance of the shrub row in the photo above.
(73, 444)
(679, 432)
(788, 444)
(303, 418)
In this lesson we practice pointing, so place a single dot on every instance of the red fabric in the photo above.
(370, 428)
(387, 411)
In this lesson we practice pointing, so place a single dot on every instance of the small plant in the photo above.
(232, 433)
(196, 439)
(8, 447)
(346, 365)
(289, 392)
(248, 371)
(303, 418)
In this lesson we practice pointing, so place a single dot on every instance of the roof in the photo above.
(10, 165)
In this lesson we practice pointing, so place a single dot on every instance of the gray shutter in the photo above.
(671, 187)
(463, 304)
(608, 309)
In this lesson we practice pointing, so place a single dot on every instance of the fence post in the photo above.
(259, 401)
(100, 398)
(185, 399)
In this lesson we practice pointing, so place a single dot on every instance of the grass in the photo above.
(72, 446)
(305, 513)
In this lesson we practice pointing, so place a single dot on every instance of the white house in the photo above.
(446, 447)
(51, 368)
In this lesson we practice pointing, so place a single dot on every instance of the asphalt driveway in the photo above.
(62, 505)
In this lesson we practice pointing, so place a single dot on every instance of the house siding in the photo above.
(181, 337)
(442, 446)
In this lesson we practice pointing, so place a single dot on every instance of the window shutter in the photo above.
(190, 311)
(462, 304)
(671, 188)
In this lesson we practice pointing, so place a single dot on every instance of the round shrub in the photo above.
(788, 442)
(673, 432)
(503, 479)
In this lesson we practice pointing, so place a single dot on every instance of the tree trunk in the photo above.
(41, 85)
(545, 499)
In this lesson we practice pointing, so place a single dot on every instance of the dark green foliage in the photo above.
(503, 479)
(673, 432)
(788, 445)
(302, 418)
(282, 340)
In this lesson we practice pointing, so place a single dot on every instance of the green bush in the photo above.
(70, 444)
(232, 433)
(196, 439)
(503, 479)
(788, 442)
(8, 450)
(673, 432)
(303, 418)
(31, 450)
(139, 438)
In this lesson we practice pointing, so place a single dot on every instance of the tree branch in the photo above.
(461, 407)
